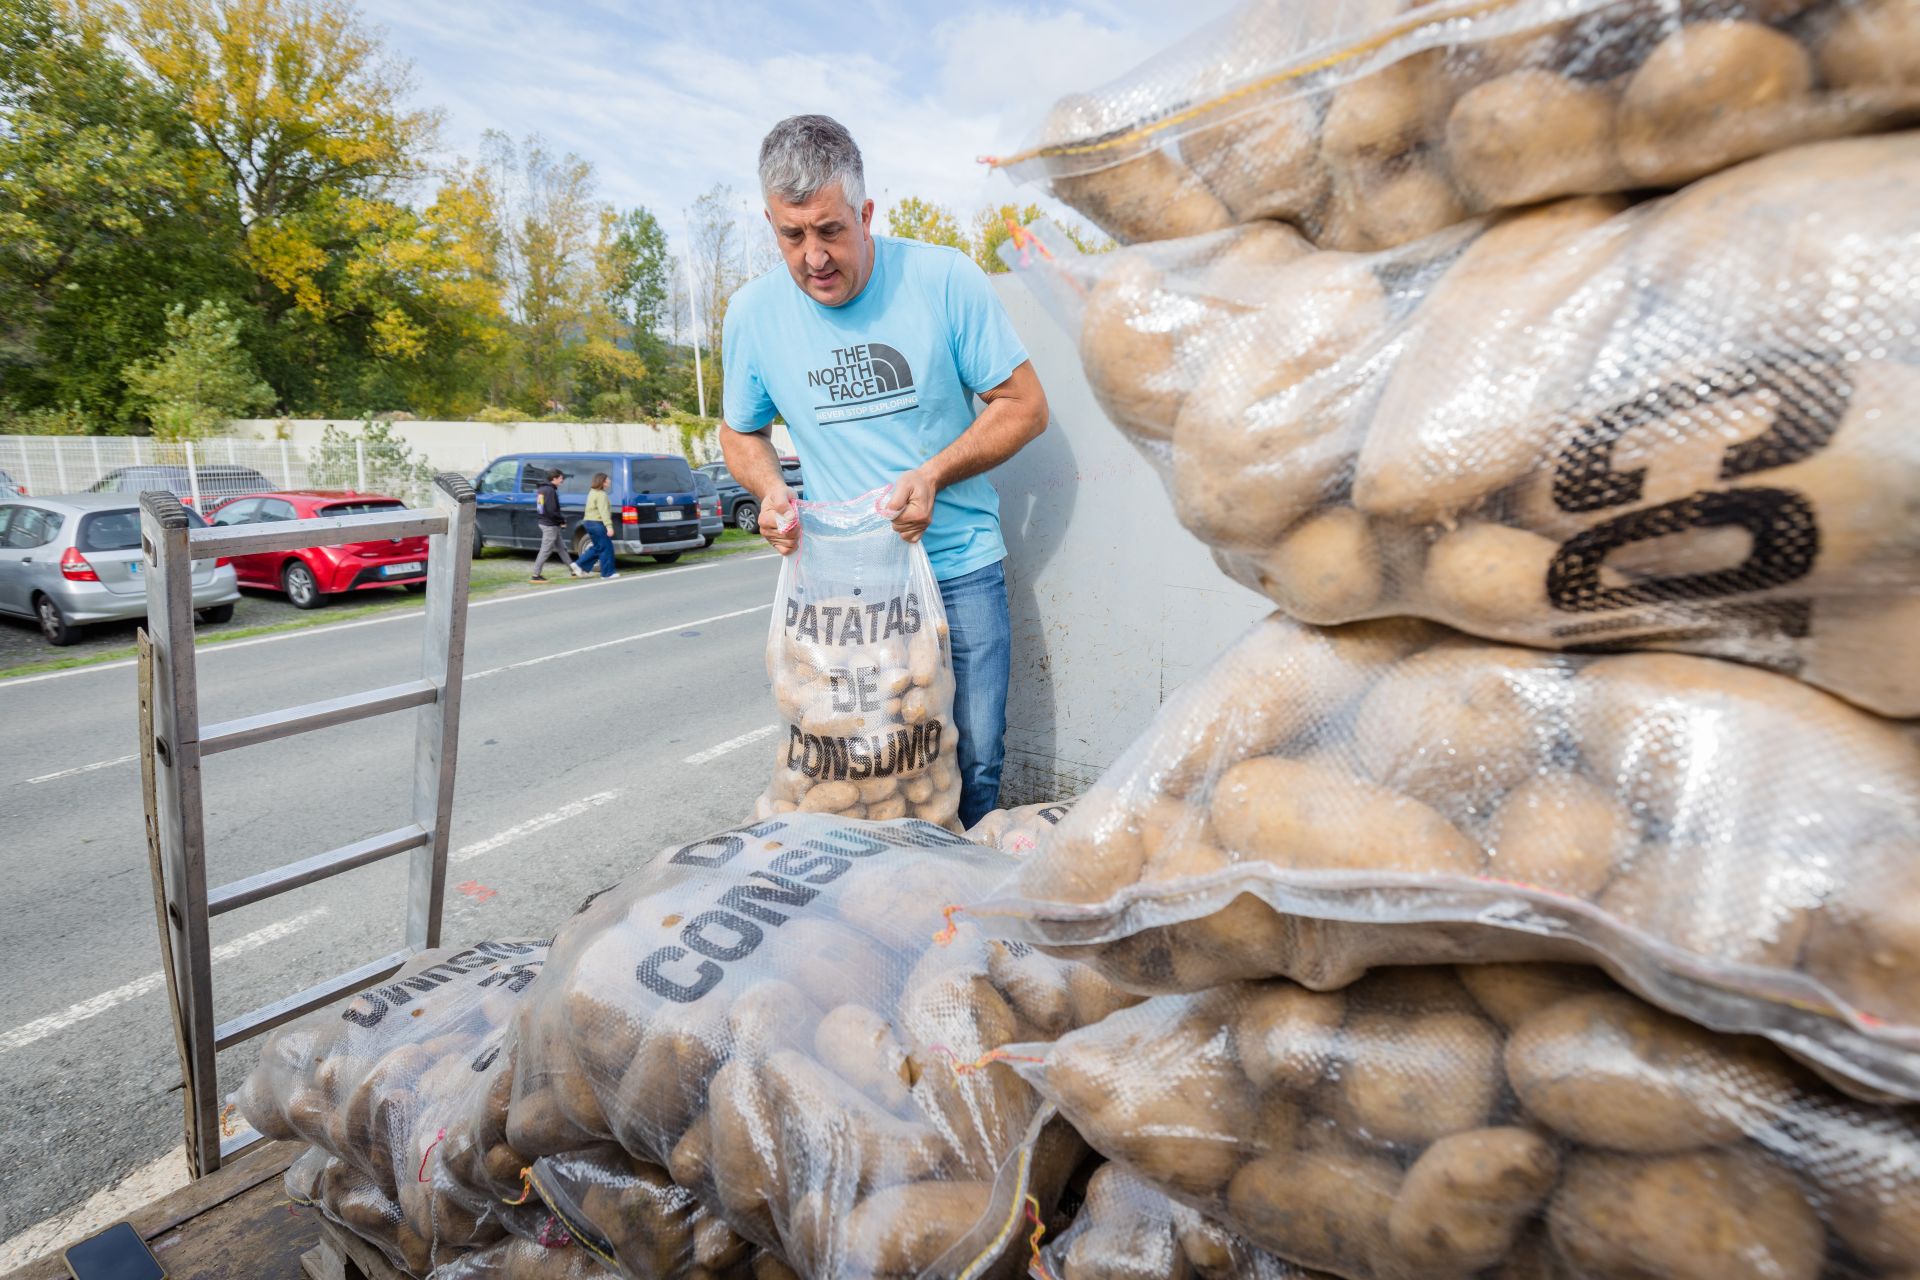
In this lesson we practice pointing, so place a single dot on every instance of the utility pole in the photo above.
(693, 323)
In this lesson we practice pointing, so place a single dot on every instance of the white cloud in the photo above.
(668, 101)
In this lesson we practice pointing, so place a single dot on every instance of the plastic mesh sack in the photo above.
(354, 1202)
(1676, 425)
(1372, 123)
(862, 671)
(1020, 830)
(524, 1258)
(1438, 1122)
(370, 1083)
(781, 1017)
(1737, 846)
(1128, 1229)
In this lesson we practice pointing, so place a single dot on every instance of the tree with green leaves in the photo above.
(389, 463)
(201, 379)
(917, 219)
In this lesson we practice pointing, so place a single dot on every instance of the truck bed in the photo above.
(236, 1224)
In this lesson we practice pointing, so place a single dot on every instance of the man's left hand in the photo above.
(911, 504)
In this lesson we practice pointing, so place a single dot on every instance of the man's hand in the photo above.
(911, 504)
(779, 521)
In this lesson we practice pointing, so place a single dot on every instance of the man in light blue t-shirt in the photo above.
(873, 350)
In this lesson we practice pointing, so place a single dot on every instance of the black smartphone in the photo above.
(118, 1253)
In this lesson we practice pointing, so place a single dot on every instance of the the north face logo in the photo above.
(869, 380)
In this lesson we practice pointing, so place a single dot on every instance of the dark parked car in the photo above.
(740, 508)
(221, 481)
(655, 503)
(712, 522)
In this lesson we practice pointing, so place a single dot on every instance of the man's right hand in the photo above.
(779, 520)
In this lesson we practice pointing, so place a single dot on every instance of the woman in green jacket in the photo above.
(598, 522)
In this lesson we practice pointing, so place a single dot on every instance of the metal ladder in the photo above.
(173, 743)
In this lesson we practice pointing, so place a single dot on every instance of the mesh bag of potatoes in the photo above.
(525, 1258)
(1737, 846)
(355, 1203)
(1129, 1229)
(1500, 1120)
(1020, 830)
(1677, 425)
(371, 1081)
(862, 671)
(782, 1018)
(1371, 123)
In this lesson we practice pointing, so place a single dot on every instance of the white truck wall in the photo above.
(1114, 605)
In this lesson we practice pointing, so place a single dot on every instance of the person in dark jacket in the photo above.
(553, 525)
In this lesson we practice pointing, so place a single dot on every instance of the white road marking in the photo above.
(85, 768)
(531, 825)
(608, 644)
(732, 744)
(202, 650)
(105, 1207)
(41, 1028)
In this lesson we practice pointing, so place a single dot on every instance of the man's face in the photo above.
(828, 244)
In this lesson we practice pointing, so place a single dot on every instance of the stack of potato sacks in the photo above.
(1581, 938)
(770, 1053)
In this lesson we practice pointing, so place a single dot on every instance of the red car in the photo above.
(310, 575)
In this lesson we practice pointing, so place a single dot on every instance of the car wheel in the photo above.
(580, 543)
(216, 613)
(707, 542)
(297, 581)
(747, 516)
(53, 623)
(666, 557)
(479, 543)
(416, 587)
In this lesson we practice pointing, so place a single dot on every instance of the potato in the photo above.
(1263, 161)
(1710, 94)
(1490, 578)
(717, 1246)
(1034, 986)
(1871, 44)
(1686, 896)
(1511, 993)
(1092, 997)
(1312, 817)
(1700, 1216)
(746, 1157)
(1246, 269)
(1149, 196)
(831, 963)
(771, 1014)
(904, 1230)
(1558, 831)
(1859, 650)
(1183, 1117)
(1865, 943)
(768, 1267)
(1465, 1200)
(1288, 1037)
(1461, 723)
(1326, 569)
(1328, 1209)
(1610, 1071)
(1470, 407)
(1408, 199)
(691, 1161)
(1414, 1079)
(857, 1044)
(830, 797)
(887, 810)
(1128, 339)
(1530, 135)
(1099, 854)
(1384, 114)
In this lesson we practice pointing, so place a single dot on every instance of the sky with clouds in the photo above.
(668, 99)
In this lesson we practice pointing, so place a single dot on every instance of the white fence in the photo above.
(212, 468)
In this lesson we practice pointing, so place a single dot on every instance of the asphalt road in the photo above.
(602, 722)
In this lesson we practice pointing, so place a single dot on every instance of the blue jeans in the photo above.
(601, 552)
(982, 639)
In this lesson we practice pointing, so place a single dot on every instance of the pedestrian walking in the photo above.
(597, 523)
(553, 525)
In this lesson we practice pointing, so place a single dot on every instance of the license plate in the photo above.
(400, 570)
(133, 568)
(671, 513)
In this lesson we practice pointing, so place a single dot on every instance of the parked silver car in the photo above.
(73, 560)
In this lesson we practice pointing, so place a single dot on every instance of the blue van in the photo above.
(656, 509)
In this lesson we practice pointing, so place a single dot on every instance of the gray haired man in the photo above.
(874, 350)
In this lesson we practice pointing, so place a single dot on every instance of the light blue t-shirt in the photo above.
(875, 387)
